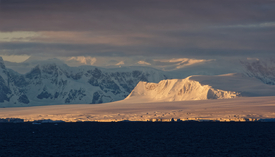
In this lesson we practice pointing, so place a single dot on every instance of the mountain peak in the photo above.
(177, 90)
(2, 65)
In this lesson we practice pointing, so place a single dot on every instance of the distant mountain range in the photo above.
(52, 82)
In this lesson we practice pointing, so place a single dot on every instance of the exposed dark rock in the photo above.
(262, 70)
(110, 84)
(77, 76)
(2, 65)
(136, 73)
(96, 97)
(56, 95)
(96, 73)
(34, 74)
(93, 81)
(62, 83)
(75, 94)
(23, 99)
(143, 78)
(18, 80)
(50, 69)
(4, 90)
(44, 95)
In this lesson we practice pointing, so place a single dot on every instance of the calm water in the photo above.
(138, 139)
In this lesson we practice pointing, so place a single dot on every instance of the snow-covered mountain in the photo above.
(263, 70)
(52, 82)
(200, 87)
(177, 90)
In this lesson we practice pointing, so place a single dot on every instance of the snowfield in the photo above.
(238, 109)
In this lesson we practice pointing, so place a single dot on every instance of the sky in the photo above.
(124, 30)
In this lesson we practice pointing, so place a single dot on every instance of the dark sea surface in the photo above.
(138, 139)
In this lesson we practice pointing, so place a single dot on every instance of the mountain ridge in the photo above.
(51, 83)
(54, 82)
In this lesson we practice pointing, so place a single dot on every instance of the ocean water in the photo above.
(138, 139)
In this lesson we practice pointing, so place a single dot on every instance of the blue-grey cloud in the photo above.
(64, 50)
(141, 27)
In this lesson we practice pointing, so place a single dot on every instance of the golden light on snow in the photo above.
(15, 58)
(239, 109)
(177, 90)
(120, 63)
(183, 62)
(84, 60)
(143, 63)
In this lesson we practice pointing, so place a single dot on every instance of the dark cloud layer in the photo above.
(150, 27)
(110, 15)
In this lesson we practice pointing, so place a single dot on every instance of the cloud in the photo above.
(120, 63)
(143, 63)
(83, 60)
(252, 59)
(256, 25)
(17, 36)
(123, 15)
(176, 28)
(15, 58)
(178, 63)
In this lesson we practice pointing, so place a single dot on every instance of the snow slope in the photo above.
(238, 109)
(177, 90)
(240, 83)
